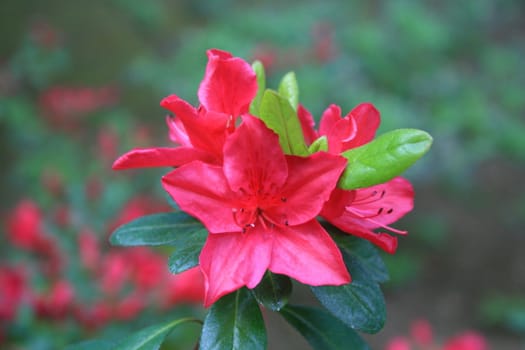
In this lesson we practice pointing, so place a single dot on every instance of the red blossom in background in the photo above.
(124, 281)
(57, 302)
(359, 212)
(66, 106)
(324, 46)
(225, 93)
(25, 226)
(469, 340)
(421, 337)
(262, 205)
(13, 291)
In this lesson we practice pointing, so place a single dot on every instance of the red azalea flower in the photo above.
(261, 205)
(66, 106)
(13, 290)
(228, 87)
(25, 227)
(469, 340)
(359, 212)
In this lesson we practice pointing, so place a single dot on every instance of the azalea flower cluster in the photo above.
(262, 203)
(122, 282)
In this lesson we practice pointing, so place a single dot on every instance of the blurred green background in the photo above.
(454, 69)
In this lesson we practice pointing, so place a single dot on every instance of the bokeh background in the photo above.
(80, 83)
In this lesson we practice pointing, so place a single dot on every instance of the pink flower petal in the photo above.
(253, 158)
(206, 130)
(329, 118)
(202, 191)
(229, 84)
(383, 240)
(309, 184)
(367, 119)
(307, 125)
(308, 254)
(232, 260)
(161, 156)
(392, 200)
(177, 132)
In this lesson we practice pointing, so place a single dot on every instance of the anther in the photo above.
(380, 211)
(389, 211)
(283, 199)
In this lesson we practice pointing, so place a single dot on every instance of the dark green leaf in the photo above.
(384, 158)
(289, 89)
(261, 83)
(322, 330)
(359, 304)
(273, 291)
(187, 251)
(321, 144)
(279, 116)
(234, 322)
(359, 251)
(151, 338)
(156, 229)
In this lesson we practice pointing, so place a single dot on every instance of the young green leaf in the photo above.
(359, 251)
(322, 330)
(359, 304)
(187, 251)
(151, 338)
(261, 86)
(383, 158)
(279, 116)
(289, 89)
(273, 291)
(321, 144)
(234, 322)
(156, 229)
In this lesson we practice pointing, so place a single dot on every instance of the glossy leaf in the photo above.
(261, 86)
(234, 322)
(151, 338)
(289, 89)
(384, 158)
(279, 116)
(321, 144)
(359, 304)
(273, 291)
(322, 330)
(156, 229)
(187, 251)
(359, 251)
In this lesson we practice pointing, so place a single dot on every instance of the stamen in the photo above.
(353, 211)
(283, 199)
(370, 198)
(389, 211)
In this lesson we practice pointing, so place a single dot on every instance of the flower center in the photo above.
(249, 216)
